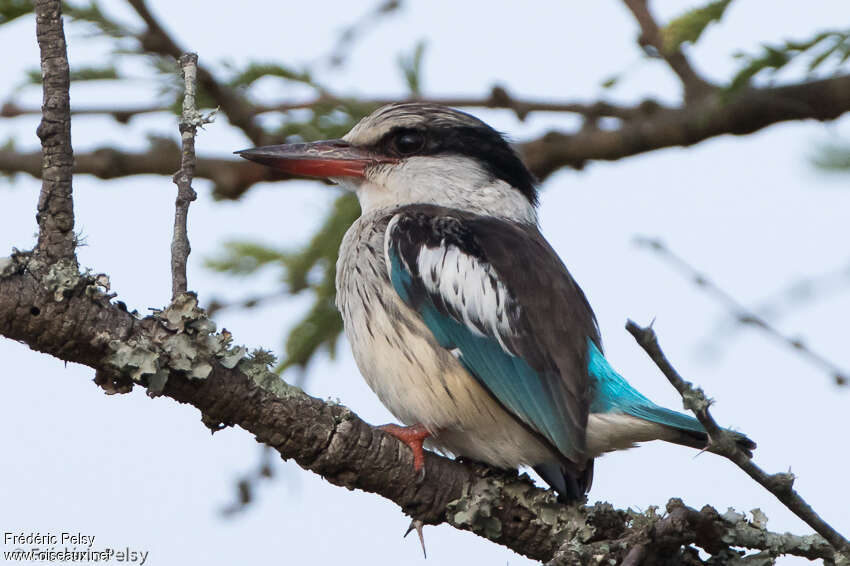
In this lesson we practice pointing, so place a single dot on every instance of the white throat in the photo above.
(452, 181)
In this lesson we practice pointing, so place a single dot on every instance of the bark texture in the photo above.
(177, 353)
(55, 205)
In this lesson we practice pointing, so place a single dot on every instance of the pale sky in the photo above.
(751, 212)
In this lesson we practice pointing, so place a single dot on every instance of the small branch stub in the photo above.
(721, 441)
(190, 119)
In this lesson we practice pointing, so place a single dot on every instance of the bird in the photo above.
(461, 316)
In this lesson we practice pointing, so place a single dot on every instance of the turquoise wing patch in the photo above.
(614, 394)
(509, 378)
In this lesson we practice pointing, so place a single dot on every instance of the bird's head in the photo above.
(416, 153)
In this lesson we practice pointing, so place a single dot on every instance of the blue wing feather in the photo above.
(508, 377)
(501, 300)
(518, 386)
(614, 394)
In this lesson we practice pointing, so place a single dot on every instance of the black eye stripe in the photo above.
(481, 143)
(408, 142)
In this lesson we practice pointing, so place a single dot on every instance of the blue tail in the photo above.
(614, 395)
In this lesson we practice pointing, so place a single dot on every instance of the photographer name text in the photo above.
(64, 547)
(44, 539)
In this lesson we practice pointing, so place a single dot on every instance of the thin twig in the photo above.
(215, 305)
(345, 42)
(498, 98)
(721, 442)
(248, 485)
(741, 313)
(798, 294)
(235, 106)
(229, 177)
(189, 122)
(695, 86)
(55, 214)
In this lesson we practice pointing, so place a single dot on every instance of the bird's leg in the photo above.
(412, 436)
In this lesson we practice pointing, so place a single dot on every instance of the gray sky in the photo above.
(751, 212)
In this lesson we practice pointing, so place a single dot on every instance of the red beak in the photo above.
(322, 159)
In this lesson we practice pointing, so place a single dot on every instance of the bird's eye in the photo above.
(409, 142)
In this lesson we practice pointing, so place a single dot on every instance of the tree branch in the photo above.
(662, 540)
(498, 98)
(122, 115)
(796, 295)
(722, 442)
(217, 305)
(236, 107)
(694, 85)
(744, 113)
(176, 353)
(344, 44)
(55, 204)
(231, 178)
(657, 127)
(743, 314)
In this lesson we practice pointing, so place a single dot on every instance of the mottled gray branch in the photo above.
(743, 314)
(177, 353)
(671, 538)
(722, 442)
(55, 203)
(190, 119)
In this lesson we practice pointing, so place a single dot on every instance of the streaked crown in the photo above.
(421, 129)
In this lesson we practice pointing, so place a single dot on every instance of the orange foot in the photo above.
(413, 436)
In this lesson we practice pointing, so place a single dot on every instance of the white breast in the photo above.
(413, 376)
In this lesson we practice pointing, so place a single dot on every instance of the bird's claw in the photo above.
(417, 525)
(413, 437)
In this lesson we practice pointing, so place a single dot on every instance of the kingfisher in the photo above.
(462, 318)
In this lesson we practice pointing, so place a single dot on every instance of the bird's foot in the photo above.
(417, 525)
(412, 436)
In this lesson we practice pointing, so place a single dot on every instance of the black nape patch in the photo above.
(481, 143)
